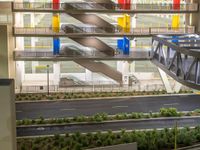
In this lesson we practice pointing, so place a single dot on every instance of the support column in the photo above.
(7, 65)
(133, 25)
(7, 115)
(165, 81)
(88, 75)
(56, 27)
(177, 87)
(195, 17)
(4, 67)
(20, 69)
(56, 73)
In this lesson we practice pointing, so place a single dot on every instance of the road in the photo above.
(114, 126)
(90, 107)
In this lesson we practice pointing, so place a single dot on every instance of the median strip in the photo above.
(102, 117)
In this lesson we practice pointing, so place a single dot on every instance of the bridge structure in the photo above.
(179, 58)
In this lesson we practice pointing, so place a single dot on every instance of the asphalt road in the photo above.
(114, 126)
(90, 107)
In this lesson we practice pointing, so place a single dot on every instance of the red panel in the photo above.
(56, 4)
(124, 4)
(128, 4)
(176, 4)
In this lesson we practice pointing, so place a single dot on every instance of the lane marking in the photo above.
(70, 109)
(171, 104)
(18, 111)
(120, 107)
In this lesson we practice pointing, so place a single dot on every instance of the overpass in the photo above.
(179, 57)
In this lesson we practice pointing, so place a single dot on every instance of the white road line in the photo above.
(171, 104)
(119, 106)
(18, 111)
(67, 109)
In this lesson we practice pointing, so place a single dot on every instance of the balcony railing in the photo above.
(101, 6)
(49, 55)
(98, 31)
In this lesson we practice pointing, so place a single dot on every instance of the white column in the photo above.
(165, 81)
(177, 87)
(132, 67)
(123, 67)
(20, 70)
(56, 73)
(34, 64)
(88, 75)
(133, 25)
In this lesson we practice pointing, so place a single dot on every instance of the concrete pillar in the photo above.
(20, 69)
(133, 25)
(7, 115)
(4, 67)
(56, 73)
(132, 67)
(123, 67)
(7, 69)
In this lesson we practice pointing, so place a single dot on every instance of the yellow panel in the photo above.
(127, 23)
(120, 21)
(56, 23)
(176, 21)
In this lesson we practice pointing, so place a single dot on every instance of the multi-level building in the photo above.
(90, 42)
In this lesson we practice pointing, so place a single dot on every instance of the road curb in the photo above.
(103, 98)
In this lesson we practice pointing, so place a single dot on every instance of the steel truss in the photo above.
(179, 58)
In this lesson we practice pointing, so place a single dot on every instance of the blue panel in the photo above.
(120, 44)
(126, 46)
(175, 39)
(56, 46)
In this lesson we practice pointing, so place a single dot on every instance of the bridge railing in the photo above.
(102, 30)
(102, 6)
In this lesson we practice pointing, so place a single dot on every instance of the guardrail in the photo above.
(102, 31)
(90, 88)
(102, 6)
(43, 55)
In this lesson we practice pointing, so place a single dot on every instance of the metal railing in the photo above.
(102, 6)
(44, 54)
(102, 30)
(91, 88)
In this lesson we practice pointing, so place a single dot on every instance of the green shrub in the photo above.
(169, 112)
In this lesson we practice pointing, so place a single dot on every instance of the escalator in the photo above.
(70, 81)
(99, 22)
(102, 68)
